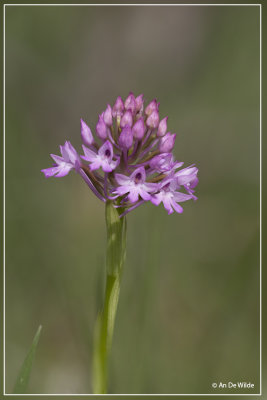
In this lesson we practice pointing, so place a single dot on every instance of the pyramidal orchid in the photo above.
(127, 163)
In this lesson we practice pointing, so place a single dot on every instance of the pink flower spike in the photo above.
(86, 134)
(130, 139)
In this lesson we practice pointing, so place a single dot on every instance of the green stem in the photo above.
(116, 247)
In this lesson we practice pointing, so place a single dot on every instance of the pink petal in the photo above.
(95, 165)
(57, 159)
(48, 172)
(122, 190)
(63, 170)
(146, 196)
(180, 197)
(150, 187)
(177, 207)
(167, 205)
(156, 199)
(89, 155)
(133, 196)
(122, 179)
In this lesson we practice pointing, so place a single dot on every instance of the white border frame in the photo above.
(130, 5)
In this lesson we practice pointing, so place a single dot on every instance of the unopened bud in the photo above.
(126, 138)
(127, 119)
(139, 102)
(162, 129)
(153, 119)
(86, 134)
(118, 107)
(108, 116)
(139, 129)
(153, 105)
(101, 128)
(166, 143)
(130, 103)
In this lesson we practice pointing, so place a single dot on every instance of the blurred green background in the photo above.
(189, 307)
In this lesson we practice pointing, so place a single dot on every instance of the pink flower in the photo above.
(69, 160)
(170, 197)
(103, 158)
(135, 185)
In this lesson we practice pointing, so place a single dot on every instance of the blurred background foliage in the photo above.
(189, 306)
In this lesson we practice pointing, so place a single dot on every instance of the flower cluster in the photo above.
(130, 160)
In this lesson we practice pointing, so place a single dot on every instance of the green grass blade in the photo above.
(25, 371)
